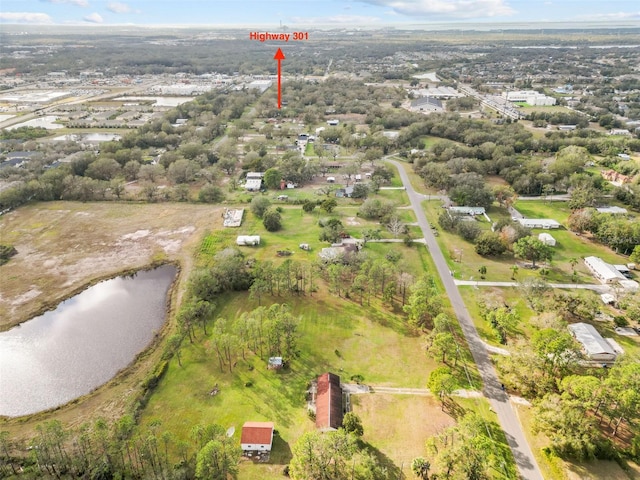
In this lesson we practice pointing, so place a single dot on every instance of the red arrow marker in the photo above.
(279, 56)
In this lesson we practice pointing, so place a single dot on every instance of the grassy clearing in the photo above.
(386, 428)
(335, 334)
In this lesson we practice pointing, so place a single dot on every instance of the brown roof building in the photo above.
(257, 437)
(329, 402)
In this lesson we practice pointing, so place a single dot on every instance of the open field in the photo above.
(386, 428)
(335, 335)
(63, 245)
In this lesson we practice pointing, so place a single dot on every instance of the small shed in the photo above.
(256, 437)
(275, 363)
(608, 299)
(547, 239)
(248, 240)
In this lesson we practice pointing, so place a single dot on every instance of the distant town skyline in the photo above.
(312, 12)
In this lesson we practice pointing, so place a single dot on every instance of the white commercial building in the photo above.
(545, 223)
(603, 271)
(530, 97)
(595, 347)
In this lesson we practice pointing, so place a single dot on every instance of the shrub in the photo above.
(272, 220)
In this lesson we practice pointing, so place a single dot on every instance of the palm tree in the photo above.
(420, 467)
(514, 272)
(483, 271)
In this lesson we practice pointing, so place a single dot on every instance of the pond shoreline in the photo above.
(143, 362)
(52, 304)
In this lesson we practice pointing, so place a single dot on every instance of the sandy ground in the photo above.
(63, 246)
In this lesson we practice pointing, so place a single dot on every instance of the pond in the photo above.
(68, 352)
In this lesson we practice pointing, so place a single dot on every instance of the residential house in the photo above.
(545, 223)
(594, 346)
(328, 402)
(602, 270)
(257, 437)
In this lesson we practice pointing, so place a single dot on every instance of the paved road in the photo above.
(581, 286)
(507, 417)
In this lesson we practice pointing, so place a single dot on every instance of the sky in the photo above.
(312, 12)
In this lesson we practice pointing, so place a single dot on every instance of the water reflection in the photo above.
(83, 343)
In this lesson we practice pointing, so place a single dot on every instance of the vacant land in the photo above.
(554, 468)
(386, 427)
(335, 335)
(64, 245)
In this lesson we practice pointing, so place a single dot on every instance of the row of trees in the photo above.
(618, 232)
(103, 450)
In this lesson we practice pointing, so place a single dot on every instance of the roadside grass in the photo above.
(416, 181)
(399, 197)
(555, 468)
(384, 417)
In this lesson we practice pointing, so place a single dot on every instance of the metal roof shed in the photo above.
(596, 347)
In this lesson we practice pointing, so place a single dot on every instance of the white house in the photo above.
(613, 210)
(603, 271)
(256, 437)
(248, 240)
(472, 211)
(547, 239)
(545, 223)
(594, 346)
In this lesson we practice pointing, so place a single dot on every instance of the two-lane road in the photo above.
(507, 417)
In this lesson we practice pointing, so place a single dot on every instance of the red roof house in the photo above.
(257, 437)
(329, 402)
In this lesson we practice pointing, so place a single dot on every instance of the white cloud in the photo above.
(447, 8)
(621, 15)
(93, 18)
(119, 7)
(336, 19)
(78, 3)
(25, 17)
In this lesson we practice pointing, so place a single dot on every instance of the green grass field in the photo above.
(335, 335)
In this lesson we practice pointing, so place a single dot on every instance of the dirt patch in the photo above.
(352, 221)
(64, 246)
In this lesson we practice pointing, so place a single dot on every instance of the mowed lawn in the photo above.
(335, 335)
(465, 262)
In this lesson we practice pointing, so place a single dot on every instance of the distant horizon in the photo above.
(436, 26)
(313, 13)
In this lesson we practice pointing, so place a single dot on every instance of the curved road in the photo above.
(499, 400)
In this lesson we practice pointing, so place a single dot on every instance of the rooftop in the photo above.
(591, 340)
(260, 433)
(329, 402)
